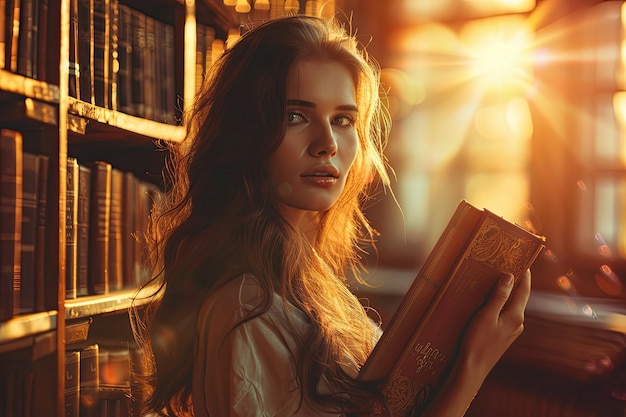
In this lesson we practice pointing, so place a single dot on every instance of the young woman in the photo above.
(262, 224)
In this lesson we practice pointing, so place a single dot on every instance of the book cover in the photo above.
(89, 379)
(99, 218)
(125, 49)
(30, 178)
(101, 52)
(129, 219)
(85, 51)
(75, 59)
(414, 355)
(116, 274)
(40, 238)
(72, 383)
(71, 229)
(84, 190)
(10, 222)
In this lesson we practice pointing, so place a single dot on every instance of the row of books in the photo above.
(107, 212)
(122, 59)
(23, 26)
(99, 380)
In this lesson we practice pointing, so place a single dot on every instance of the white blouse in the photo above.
(252, 373)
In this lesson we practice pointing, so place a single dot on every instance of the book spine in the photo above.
(42, 37)
(101, 45)
(100, 215)
(10, 222)
(125, 49)
(74, 57)
(72, 383)
(114, 66)
(149, 69)
(3, 37)
(84, 189)
(129, 209)
(138, 24)
(29, 232)
(27, 37)
(71, 229)
(40, 243)
(116, 274)
(13, 20)
(169, 94)
(89, 380)
(85, 49)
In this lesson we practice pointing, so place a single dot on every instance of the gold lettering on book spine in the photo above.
(501, 250)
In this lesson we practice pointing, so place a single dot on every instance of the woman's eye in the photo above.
(295, 117)
(344, 120)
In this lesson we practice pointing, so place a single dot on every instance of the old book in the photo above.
(10, 222)
(40, 239)
(30, 178)
(85, 52)
(419, 346)
(42, 36)
(129, 220)
(84, 190)
(125, 49)
(72, 383)
(138, 61)
(75, 59)
(89, 379)
(101, 52)
(27, 42)
(116, 274)
(13, 28)
(3, 38)
(71, 229)
(99, 218)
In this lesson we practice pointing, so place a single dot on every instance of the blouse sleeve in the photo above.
(252, 372)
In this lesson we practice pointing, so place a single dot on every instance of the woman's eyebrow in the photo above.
(304, 103)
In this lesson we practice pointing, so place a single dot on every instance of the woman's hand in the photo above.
(490, 333)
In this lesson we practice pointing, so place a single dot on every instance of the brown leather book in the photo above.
(419, 346)
(71, 229)
(100, 216)
(10, 222)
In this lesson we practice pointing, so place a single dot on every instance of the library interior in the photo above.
(518, 107)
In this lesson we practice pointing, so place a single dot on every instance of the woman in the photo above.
(261, 225)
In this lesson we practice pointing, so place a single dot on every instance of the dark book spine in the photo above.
(149, 69)
(100, 215)
(85, 49)
(10, 222)
(129, 210)
(72, 384)
(29, 231)
(138, 24)
(74, 60)
(40, 50)
(116, 275)
(84, 188)
(89, 380)
(101, 45)
(40, 242)
(71, 229)
(125, 50)
(27, 38)
(114, 66)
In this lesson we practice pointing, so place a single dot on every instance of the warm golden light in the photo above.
(242, 6)
(262, 4)
(292, 5)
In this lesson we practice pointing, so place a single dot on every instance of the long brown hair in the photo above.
(218, 219)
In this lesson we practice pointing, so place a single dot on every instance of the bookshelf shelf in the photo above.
(108, 303)
(18, 85)
(104, 120)
(27, 325)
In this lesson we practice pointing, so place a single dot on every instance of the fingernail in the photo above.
(507, 280)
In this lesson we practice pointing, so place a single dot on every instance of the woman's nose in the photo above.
(324, 142)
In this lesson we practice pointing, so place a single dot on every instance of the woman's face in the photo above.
(308, 171)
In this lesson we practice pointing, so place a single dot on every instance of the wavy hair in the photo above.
(219, 219)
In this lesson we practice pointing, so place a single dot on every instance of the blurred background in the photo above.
(518, 106)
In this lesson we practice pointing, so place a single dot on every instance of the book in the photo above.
(413, 356)
(75, 59)
(85, 50)
(30, 187)
(116, 274)
(82, 260)
(10, 222)
(71, 229)
(72, 383)
(40, 238)
(99, 218)
(89, 379)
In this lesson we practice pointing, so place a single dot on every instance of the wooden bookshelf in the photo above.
(41, 100)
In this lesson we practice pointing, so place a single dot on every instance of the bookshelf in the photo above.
(83, 81)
